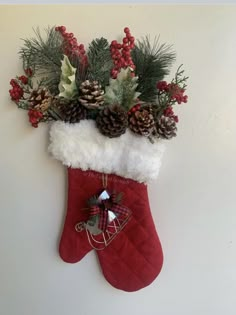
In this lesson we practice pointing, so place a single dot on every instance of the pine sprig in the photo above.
(100, 61)
(152, 64)
(43, 56)
(179, 78)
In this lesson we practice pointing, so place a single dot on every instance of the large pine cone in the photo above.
(73, 112)
(142, 121)
(112, 121)
(166, 127)
(40, 99)
(91, 94)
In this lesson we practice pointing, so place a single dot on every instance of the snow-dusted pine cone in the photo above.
(91, 94)
(40, 99)
(166, 127)
(142, 121)
(112, 121)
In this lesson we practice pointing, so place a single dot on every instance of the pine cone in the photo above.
(166, 127)
(73, 112)
(91, 94)
(142, 121)
(112, 121)
(40, 97)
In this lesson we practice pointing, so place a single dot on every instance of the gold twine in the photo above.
(104, 180)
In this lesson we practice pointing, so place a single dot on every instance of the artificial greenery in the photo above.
(100, 61)
(165, 98)
(129, 75)
(152, 64)
(180, 79)
(122, 90)
(44, 56)
(67, 85)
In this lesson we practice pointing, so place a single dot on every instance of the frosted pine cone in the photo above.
(40, 97)
(166, 127)
(141, 121)
(91, 94)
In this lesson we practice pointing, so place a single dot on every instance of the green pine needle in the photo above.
(43, 56)
(152, 64)
(100, 61)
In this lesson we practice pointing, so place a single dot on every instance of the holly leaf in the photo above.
(67, 85)
(122, 90)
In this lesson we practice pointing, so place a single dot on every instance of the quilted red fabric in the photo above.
(134, 258)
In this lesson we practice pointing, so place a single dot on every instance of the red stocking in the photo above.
(134, 258)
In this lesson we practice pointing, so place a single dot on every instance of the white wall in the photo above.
(193, 201)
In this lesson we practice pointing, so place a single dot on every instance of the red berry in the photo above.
(114, 43)
(126, 30)
(176, 119)
(185, 98)
(23, 79)
(118, 54)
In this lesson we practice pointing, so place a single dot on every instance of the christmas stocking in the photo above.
(108, 207)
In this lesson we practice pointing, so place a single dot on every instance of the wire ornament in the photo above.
(97, 238)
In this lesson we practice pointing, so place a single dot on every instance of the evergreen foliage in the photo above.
(43, 56)
(100, 61)
(152, 64)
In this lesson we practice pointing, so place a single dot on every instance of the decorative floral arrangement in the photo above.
(110, 107)
(119, 85)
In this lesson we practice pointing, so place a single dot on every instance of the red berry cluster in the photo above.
(162, 86)
(177, 93)
(71, 46)
(168, 112)
(121, 53)
(174, 90)
(16, 92)
(34, 117)
(134, 109)
(23, 79)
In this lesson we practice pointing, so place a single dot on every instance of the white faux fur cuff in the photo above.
(82, 146)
